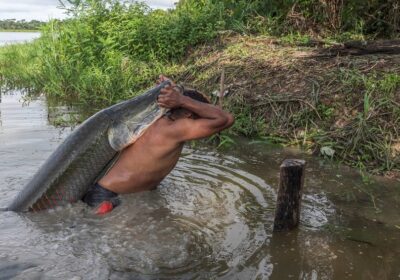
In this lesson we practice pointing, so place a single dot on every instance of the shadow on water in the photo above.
(211, 218)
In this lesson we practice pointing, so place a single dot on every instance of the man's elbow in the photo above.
(230, 120)
(226, 121)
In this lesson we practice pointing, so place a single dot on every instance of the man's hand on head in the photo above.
(170, 98)
(210, 119)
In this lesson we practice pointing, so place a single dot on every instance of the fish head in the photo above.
(131, 118)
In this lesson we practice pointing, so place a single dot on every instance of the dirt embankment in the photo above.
(337, 101)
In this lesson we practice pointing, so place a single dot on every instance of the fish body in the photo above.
(88, 152)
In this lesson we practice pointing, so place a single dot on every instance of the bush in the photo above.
(110, 50)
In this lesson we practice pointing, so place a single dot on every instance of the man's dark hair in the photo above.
(196, 95)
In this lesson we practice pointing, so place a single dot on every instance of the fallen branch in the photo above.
(222, 88)
(358, 48)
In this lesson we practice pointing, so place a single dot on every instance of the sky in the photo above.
(47, 9)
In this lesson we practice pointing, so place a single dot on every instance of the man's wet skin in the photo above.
(143, 165)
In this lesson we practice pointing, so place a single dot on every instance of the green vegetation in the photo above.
(20, 25)
(370, 137)
(109, 51)
(342, 108)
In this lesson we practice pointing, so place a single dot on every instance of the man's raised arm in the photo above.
(212, 119)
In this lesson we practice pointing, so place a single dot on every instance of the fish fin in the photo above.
(119, 136)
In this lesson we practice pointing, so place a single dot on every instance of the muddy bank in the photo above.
(340, 106)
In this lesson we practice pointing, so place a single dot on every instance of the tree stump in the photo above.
(287, 214)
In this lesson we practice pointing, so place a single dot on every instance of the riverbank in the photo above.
(291, 79)
(342, 107)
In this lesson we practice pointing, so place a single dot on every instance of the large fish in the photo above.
(88, 152)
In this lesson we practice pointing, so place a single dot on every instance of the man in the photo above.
(143, 165)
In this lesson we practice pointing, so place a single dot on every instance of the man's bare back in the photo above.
(143, 165)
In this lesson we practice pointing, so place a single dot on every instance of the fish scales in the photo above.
(61, 165)
(83, 170)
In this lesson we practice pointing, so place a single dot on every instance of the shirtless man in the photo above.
(143, 165)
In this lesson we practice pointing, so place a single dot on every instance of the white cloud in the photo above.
(47, 9)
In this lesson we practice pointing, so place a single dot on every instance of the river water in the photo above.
(17, 37)
(211, 218)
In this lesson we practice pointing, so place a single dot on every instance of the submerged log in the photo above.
(287, 213)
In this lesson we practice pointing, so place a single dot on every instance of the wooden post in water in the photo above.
(287, 213)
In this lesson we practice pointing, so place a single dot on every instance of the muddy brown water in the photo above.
(211, 218)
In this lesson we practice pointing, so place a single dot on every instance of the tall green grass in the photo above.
(109, 49)
(367, 141)
(19, 66)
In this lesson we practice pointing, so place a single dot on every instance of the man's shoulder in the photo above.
(165, 129)
(174, 130)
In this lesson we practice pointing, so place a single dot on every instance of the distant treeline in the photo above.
(13, 24)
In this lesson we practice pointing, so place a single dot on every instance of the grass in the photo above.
(22, 59)
(342, 108)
